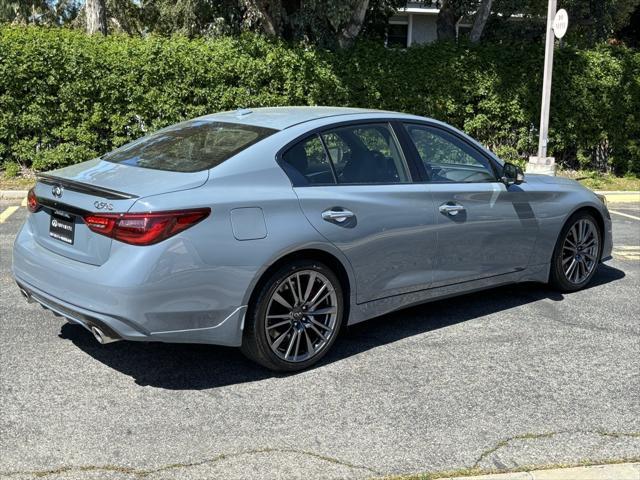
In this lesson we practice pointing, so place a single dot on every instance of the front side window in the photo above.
(189, 146)
(447, 158)
(366, 154)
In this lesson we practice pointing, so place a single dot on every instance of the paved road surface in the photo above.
(508, 377)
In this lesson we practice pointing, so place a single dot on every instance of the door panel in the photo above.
(493, 235)
(390, 240)
(484, 229)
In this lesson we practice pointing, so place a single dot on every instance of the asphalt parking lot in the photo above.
(509, 377)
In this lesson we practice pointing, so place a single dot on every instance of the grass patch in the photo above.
(602, 181)
(16, 183)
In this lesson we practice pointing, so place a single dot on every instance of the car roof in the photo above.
(280, 118)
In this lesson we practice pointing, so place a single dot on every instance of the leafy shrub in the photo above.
(66, 97)
(11, 169)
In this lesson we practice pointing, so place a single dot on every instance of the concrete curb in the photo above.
(619, 471)
(12, 194)
(620, 197)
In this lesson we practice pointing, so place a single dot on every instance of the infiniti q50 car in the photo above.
(271, 229)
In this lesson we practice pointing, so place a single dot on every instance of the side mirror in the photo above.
(512, 174)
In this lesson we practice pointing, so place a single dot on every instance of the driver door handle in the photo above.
(337, 215)
(451, 208)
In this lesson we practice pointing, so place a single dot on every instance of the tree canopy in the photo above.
(328, 23)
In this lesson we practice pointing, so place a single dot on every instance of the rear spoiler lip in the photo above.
(84, 187)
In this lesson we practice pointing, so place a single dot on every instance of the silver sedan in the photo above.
(270, 229)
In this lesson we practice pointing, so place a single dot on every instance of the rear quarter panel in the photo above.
(220, 261)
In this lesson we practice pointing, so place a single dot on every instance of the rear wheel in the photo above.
(295, 318)
(577, 253)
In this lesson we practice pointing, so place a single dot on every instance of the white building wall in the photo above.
(423, 29)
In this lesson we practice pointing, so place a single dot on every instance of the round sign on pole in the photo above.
(560, 23)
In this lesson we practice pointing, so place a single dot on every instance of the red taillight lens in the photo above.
(144, 228)
(32, 201)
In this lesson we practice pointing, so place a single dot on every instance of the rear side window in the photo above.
(366, 154)
(356, 154)
(307, 163)
(189, 146)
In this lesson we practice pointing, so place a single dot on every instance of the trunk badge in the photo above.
(101, 205)
(57, 191)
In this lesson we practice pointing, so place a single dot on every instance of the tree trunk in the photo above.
(479, 22)
(446, 22)
(270, 13)
(96, 14)
(348, 32)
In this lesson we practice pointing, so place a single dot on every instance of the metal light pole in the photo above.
(550, 41)
(556, 27)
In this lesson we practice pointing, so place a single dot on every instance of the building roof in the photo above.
(283, 117)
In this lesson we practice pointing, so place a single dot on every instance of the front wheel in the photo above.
(295, 318)
(577, 253)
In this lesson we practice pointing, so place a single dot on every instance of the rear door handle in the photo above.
(337, 215)
(451, 208)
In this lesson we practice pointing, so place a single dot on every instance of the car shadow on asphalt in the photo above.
(201, 367)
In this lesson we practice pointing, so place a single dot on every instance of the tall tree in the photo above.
(321, 22)
(480, 20)
(349, 30)
(96, 15)
(448, 17)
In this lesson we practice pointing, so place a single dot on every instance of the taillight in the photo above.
(32, 201)
(144, 228)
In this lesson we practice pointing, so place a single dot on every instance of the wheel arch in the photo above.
(595, 213)
(337, 265)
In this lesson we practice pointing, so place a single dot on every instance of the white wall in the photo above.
(424, 29)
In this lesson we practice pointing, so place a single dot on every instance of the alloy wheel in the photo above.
(580, 251)
(301, 316)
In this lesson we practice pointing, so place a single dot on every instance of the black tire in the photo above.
(255, 344)
(557, 276)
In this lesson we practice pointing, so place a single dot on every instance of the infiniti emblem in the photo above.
(57, 191)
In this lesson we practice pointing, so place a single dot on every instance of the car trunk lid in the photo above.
(66, 195)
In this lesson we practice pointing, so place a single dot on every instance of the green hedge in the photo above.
(66, 97)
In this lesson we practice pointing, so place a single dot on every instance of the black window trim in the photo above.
(394, 124)
(423, 171)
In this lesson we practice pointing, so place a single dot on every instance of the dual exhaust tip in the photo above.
(97, 332)
(102, 337)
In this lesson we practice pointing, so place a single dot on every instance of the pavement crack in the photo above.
(537, 436)
(142, 472)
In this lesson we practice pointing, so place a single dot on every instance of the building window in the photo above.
(397, 34)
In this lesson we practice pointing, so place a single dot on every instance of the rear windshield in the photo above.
(189, 146)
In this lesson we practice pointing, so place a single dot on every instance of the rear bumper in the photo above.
(164, 293)
(122, 329)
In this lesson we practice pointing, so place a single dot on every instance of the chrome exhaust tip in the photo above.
(102, 337)
(26, 295)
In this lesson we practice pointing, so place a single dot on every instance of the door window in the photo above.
(447, 158)
(307, 163)
(366, 154)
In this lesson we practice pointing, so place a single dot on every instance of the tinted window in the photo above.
(306, 163)
(189, 146)
(364, 154)
(447, 158)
